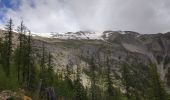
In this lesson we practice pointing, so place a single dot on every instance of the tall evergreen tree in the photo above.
(29, 49)
(24, 57)
(31, 70)
(159, 93)
(7, 46)
(109, 82)
(125, 79)
(43, 70)
(80, 93)
(1, 47)
(113, 93)
(42, 63)
(69, 70)
(20, 53)
(93, 79)
(68, 75)
(50, 70)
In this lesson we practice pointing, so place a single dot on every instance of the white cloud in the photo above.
(145, 16)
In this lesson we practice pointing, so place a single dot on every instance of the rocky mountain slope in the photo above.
(116, 47)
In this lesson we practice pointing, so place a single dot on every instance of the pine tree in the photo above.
(24, 57)
(113, 93)
(109, 82)
(31, 70)
(50, 70)
(43, 71)
(159, 93)
(68, 70)
(29, 53)
(42, 65)
(68, 75)
(1, 45)
(7, 46)
(80, 93)
(125, 79)
(20, 51)
(93, 79)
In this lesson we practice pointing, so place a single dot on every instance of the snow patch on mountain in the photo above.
(87, 35)
(78, 35)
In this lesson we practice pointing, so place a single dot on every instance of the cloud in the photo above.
(144, 16)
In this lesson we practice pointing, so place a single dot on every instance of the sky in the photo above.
(44, 16)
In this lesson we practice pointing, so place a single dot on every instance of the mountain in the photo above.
(118, 46)
(111, 48)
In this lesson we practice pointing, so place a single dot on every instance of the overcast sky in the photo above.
(144, 16)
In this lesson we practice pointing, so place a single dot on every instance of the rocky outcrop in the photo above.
(11, 95)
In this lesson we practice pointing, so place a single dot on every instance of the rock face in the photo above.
(117, 46)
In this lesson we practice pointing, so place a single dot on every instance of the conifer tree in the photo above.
(50, 70)
(19, 52)
(7, 46)
(31, 70)
(42, 63)
(44, 71)
(125, 79)
(24, 57)
(109, 82)
(80, 93)
(1, 47)
(29, 53)
(69, 70)
(68, 75)
(93, 79)
(159, 93)
(113, 93)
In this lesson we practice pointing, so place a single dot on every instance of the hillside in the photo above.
(143, 48)
(113, 49)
